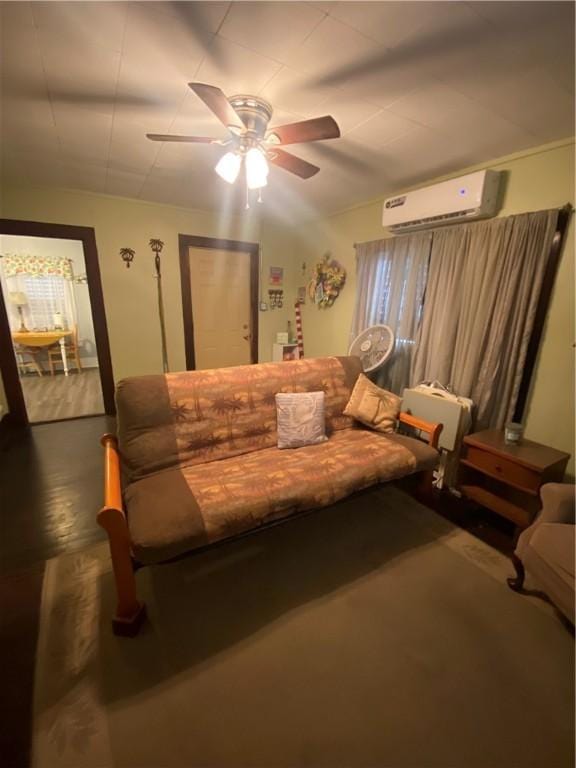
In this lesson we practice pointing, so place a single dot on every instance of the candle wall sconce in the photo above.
(276, 298)
(127, 256)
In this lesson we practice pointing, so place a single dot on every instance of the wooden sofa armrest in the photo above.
(432, 430)
(129, 612)
(112, 484)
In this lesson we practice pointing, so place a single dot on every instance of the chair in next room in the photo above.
(71, 350)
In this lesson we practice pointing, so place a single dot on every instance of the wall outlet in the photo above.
(263, 306)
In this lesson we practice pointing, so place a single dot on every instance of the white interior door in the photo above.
(220, 289)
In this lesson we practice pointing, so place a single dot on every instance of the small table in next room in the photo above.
(44, 339)
(507, 478)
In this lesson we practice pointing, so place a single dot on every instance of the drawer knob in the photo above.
(498, 468)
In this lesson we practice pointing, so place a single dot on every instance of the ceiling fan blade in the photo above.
(217, 103)
(291, 163)
(317, 129)
(184, 139)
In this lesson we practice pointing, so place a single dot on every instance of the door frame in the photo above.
(17, 414)
(216, 244)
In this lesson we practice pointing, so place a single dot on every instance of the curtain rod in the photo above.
(567, 208)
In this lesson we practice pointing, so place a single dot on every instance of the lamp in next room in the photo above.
(19, 300)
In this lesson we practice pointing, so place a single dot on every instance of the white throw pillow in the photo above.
(300, 418)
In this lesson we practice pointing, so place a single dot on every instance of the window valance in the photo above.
(36, 266)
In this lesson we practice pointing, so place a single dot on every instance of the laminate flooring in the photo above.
(52, 398)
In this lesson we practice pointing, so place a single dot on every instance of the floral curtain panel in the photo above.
(36, 266)
(47, 286)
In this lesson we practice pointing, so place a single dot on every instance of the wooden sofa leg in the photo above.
(517, 583)
(130, 613)
(425, 486)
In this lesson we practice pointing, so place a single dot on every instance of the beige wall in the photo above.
(130, 294)
(542, 178)
(539, 179)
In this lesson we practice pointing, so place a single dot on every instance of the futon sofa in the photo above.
(195, 461)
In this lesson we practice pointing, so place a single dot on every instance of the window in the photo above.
(46, 296)
(390, 290)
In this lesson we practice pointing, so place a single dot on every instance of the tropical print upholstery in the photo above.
(200, 457)
(196, 417)
(237, 494)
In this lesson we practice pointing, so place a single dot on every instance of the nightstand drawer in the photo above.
(503, 469)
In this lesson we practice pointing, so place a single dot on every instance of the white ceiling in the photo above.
(418, 88)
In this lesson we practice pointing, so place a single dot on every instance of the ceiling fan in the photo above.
(251, 141)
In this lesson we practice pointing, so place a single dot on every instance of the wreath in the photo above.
(328, 281)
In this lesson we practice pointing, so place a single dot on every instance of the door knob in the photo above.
(247, 338)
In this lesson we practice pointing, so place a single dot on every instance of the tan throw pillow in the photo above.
(300, 419)
(373, 406)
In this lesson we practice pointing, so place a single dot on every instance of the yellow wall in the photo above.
(130, 294)
(539, 179)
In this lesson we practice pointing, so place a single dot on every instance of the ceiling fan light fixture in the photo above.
(256, 169)
(228, 167)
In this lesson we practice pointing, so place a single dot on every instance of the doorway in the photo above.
(55, 358)
(219, 280)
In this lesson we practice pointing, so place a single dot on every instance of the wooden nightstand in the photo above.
(507, 478)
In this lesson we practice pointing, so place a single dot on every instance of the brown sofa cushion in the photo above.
(373, 406)
(177, 510)
(197, 417)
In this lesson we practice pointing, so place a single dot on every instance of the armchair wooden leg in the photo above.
(130, 613)
(517, 583)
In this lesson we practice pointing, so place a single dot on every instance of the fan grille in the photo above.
(373, 346)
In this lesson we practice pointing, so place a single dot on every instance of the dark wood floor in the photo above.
(50, 491)
(51, 486)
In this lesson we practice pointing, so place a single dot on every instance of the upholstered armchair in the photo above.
(546, 548)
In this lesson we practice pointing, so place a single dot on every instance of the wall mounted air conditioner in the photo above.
(467, 198)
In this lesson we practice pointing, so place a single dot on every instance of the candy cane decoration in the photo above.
(299, 334)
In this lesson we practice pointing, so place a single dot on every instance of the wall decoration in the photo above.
(127, 256)
(276, 276)
(299, 333)
(329, 279)
(276, 298)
